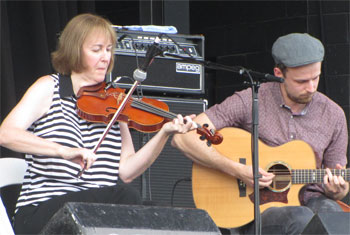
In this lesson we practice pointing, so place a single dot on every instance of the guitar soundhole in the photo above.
(282, 180)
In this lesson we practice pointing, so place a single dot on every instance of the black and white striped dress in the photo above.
(48, 177)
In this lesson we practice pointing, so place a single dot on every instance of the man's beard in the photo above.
(303, 99)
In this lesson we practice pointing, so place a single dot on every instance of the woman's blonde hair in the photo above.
(68, 56)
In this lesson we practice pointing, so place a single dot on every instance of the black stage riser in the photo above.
(329, 223)
(90, 218)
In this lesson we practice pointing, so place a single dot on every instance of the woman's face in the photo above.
(96, 55)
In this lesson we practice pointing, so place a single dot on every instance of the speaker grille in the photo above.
(168, 180)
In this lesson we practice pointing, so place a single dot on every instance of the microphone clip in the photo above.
(154, 50)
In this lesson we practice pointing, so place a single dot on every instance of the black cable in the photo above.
(178, 45)
(133, 45)
(174, 186)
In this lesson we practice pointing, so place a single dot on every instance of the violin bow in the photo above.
(109, 126)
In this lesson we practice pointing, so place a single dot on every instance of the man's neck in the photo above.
(296, 108)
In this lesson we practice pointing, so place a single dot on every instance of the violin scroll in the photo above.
(212, 136)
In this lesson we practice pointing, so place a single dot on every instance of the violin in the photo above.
(99, 103)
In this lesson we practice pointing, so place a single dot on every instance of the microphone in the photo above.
(272, 78)
(264, 77)
(154, 50)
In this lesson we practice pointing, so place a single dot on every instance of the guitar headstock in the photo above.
(212, 136)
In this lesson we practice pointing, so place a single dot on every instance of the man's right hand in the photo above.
(246, 175)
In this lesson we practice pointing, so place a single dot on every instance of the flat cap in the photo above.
(297, 49)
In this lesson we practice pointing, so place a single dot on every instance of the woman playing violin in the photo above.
(58, 143)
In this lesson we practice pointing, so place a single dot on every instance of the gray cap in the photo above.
(297, 49)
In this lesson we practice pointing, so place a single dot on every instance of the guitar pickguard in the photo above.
(267, 196)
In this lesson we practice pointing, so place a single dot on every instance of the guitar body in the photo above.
(230, 205)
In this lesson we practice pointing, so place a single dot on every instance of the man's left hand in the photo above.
(335, 186)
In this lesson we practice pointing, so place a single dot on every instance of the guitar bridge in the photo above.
(242, 187)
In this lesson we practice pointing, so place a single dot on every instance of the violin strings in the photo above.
(152, 109)
(155, 110)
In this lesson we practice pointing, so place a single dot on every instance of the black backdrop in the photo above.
(28, 35)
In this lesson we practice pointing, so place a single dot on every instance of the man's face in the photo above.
(300, 83)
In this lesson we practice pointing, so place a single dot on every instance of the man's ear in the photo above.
(277, 72)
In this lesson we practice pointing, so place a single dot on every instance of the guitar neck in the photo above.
(307, 176)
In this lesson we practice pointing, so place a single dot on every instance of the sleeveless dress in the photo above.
(48, 177)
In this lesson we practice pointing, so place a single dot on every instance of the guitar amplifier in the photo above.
(165, 74)
(168, 181)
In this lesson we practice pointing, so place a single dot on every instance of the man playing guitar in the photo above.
(289, 111)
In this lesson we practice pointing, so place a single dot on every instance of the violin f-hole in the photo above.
(110, 108)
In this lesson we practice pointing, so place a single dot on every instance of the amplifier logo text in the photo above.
(188, 68)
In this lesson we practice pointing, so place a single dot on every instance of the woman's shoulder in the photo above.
(48, 79)
(42, 89)
(44, 84)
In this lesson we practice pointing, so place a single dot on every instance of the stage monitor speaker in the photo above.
(165, 74)
(329, 223)
(95, 218)
(167, 181)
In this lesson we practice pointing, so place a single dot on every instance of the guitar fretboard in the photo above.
(305, 176)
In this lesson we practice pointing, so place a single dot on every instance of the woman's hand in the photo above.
(180, 125)
(84, 157)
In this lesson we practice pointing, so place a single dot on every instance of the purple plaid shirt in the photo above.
(322, 124)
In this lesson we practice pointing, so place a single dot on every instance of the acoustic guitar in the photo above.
(230, 203)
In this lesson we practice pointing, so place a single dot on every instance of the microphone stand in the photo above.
(255, 84)
(255, 152)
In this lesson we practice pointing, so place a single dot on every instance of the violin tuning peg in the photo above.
(208, 143)
(205, 125)
(202, 137)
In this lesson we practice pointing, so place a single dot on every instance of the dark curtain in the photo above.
(29, 31)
